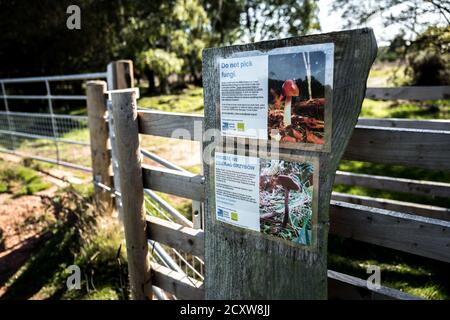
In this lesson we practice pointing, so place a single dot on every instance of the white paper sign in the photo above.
(271, 196)
(243, 97)
(282, 95)
(237, 190)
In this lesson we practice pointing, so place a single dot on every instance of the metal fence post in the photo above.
(119, 76)
(8, 119)
(100, 155)
(126, 130)
(54, 124)
(114, 163)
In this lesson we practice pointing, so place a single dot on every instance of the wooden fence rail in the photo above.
(409, 93)
(428, 149)
(419, 187)
(174, 235)
(405, 123)
(405, 232)
(395, 205)
(182, 184)
(340, 286)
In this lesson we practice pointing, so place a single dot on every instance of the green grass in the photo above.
(189, 100)
(387, 74)
(406, 272)
(78, 237)
(20, 180)
(77, 135)
(430, 110)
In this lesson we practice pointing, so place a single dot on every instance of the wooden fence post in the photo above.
(131, 185)
(98, 132)
(242, 261)
(120, 75)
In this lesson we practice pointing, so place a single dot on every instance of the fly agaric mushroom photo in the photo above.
(297, 97)
(286, 192)
(290, 90)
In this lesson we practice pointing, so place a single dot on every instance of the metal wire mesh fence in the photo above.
(185, 263)
(47, 136)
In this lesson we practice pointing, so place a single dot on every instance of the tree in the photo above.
(224, 17)
(412, 15)
(263, 20)
(255, 20)
(423, 39)
(428, 60)
(35, 39)
(161, 64)
(175, 32)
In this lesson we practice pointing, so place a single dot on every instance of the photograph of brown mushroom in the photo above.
(286, 197)
(297, 97)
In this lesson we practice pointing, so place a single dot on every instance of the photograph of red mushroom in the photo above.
(286, 197)
(297, 97)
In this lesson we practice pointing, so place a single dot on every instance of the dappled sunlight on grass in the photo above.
(189, 100)
(20, 180)
(430, 110)
(406, 272)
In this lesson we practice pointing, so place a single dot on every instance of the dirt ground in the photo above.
(21, 228)
(23, 220)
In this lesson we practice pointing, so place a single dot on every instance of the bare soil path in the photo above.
(23, 221)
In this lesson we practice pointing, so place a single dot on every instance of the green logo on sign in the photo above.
(234, 216)
(240, 126)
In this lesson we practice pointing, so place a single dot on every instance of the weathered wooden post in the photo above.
(267, 220)
(128, 154)
(100, 155)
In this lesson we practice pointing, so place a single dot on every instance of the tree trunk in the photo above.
(164, 85)
(151, 80)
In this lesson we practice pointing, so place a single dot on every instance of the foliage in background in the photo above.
(423, 39)
(161, 64)
(265, 20)
(175, 38)
(428, 58)
(158, 34)
(35, 40)
(413, 16)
